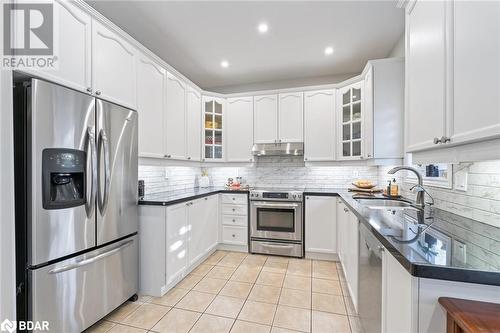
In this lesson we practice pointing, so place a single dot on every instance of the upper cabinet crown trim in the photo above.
(269, 97)
(68, 8)
(158, 68)
(235, 100)
(177, 80)
(286, 95)
(323, 92)
(119, 41)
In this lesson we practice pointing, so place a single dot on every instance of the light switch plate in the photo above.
(460, 181)
(165, 173)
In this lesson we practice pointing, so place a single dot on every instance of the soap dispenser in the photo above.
(394, 188)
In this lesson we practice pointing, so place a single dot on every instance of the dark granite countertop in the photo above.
(429, 244)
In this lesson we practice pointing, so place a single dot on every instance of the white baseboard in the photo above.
(322, 256)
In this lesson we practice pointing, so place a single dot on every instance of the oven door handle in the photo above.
(276, 246)
(281, 205)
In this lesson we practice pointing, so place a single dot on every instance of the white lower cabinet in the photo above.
(173, 240)
(234, 220)
(320, 224)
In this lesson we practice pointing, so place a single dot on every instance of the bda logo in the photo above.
(8, 326)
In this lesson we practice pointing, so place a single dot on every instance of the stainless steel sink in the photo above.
(380, 203)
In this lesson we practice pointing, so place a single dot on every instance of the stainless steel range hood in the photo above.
(278, 149)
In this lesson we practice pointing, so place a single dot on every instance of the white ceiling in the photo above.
(194, 37)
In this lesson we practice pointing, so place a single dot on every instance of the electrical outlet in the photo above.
(355, 173)
(165, 173)
(460, 181)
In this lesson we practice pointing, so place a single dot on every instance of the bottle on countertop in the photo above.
(388, 188)
(394, 188)
(204, 180)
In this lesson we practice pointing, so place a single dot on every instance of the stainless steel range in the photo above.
(276, 226)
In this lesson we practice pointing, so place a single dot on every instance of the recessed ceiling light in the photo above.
(329, 50)
(263, 27)
(224, 63)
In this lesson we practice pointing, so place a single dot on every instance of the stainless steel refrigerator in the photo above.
(76, 205)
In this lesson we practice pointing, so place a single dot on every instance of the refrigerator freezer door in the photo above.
(117, 213)
(74, 294)
(62, 124)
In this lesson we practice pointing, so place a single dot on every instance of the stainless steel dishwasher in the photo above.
(370, 281)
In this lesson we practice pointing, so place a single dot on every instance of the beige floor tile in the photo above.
(329, 322)
(275, 267)
(328, 303)
(215, 257)
(195, 301)
(293, 318)
(225, 306)
(278, 259)
(329, 273)
(326, 286)
(202, 269)
(212, 324)
(123, 311)
(220, 272)
(173, 296)
(355, 324)
(298, 268)
(351, 310)
(209, 285)
(275, 329)
(345, 289)
(144, 299)
(177, 321)
(297, 282)
(102, 326)
(125, 329)
(237, 255)
(270, 279)
(236, 289)
(189, 281)
(245, 274)
(247, 327)
(228, 261)
(296, 298)
(256, 258)
(324, 264)
(257, 312)
(266, 294)
(146, 316)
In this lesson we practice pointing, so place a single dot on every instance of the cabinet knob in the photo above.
(206, 198)
(345, 210)
(89, 90)
(234, 209)
(233, 235)
(305, 158)
(369, 155)
(361, 157)
(168, 156)
(445, 139)
(234, 198)
(437, 140)
(234, 220)
(97, 92)
(250, 159)
(189, 158)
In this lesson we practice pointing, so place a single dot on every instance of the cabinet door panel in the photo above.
(151, 88)
(177, 247)
(212, 231)
(113, 67)
(198, 228)
(265, 119)
(321, 224)
(239, 131)
(319, 134)
(193, 126)
(291, 117)
(175, 119)
(425, 74)
(476, 106)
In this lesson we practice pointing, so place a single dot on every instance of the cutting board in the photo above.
(365, 190)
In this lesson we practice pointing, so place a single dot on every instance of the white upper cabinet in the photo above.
(291, 117)
(113, 66)
(476, 71)
(175, 118)
(265, 119)
(151, 104)
(319, 125)
(214, 129)
(350, 119)
(239, 118)
(193, 124)
(425, 74)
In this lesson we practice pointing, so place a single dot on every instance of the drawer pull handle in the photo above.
(234, 220)
(234, 235)
(234, 209)
(234, 198)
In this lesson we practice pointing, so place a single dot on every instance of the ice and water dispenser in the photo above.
(63, 178)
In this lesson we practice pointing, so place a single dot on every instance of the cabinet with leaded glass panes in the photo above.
(213, 128)
(350, 120)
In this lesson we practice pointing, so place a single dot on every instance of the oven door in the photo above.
(276, 220)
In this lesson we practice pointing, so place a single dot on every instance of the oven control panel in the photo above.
(276, 196)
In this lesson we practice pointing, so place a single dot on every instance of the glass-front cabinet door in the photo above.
(350, 119)
(213, 128)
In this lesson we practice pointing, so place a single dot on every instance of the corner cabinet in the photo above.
(151, 107)
(319, 125)
(350, 119)
(213, 129)
(239, 119)
(113, 67)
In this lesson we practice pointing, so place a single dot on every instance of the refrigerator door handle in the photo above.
(104, 195)
(91, 260)
(92, 171)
